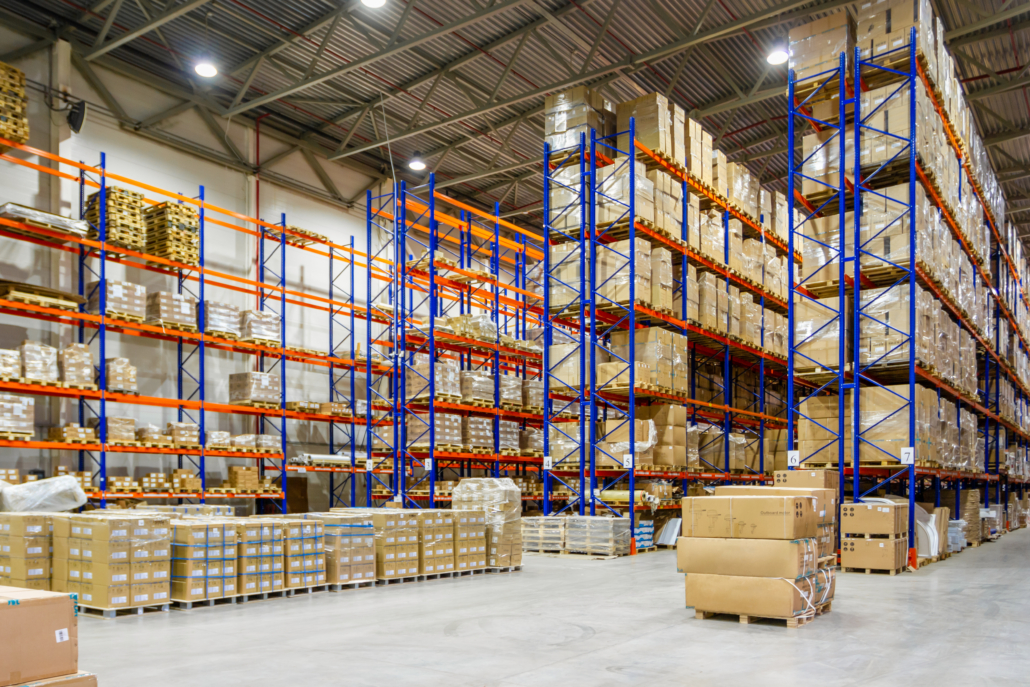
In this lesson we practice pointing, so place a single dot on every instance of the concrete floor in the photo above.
(577, 622)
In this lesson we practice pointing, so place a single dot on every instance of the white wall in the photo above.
(226, 251)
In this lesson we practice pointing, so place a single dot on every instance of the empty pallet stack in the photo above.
(753, 557)
(14, 121)
(173, 232)
(543, 534)
(122, 218)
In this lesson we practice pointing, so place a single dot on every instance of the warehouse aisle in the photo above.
(572, 622)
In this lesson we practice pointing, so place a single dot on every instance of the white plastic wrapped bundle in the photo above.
(532, 393)
(10, 363)
(613, 270)
(38, 361)
(183, 432)
(149, 432)
(614, 192)
(268, 441)
(46, 495)
(171, 308)
(263, 387)
(244, 441)
(120, 298)
(17, 414)
(477, 386)
(511, 390)
(221, 318)
(121, 429)
(120, 374)
(508, 435)
(447, 378)
(477, 432)
(256, 324)
(597, 534)
(500, 498)
(218, 439)
(76, 364)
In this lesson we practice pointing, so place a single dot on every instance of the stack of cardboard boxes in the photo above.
(243, 478)
(753, 556)
(204, 559)
(175, 310)
(436, 542)
(500, 502)
(350, 547)
(304, 551)
(874, 536)
(260, 552)
(25, 548)
(247, 388)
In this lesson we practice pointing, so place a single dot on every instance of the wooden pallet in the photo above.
(81, 387)
(792, 622)
(173, 325)
(400, 580)
(478, 403)
(261, 342)
(478, 450)
(512, 407)
(16, 436)
(111, 613)
(229, 336)
(221, 490)
(24, 293)
(127, 317)
(870, 571)
(256, 404)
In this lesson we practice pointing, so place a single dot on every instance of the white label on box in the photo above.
(196, 590)
(36, 571)
(34, 528)
(548, 463)
(120, 600)
(160, 595)
(34, 549)
(61, 635)
(140, 598)
(119, 578)
(881, 545)
(793, 458)
(908, 456)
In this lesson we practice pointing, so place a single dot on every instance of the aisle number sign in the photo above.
(548, 463)
(908, 456)
(793, 459)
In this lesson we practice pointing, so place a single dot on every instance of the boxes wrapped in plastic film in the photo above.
(447, 429)
(183, 432)
(38, 362)
(532, 393)
(221, 318)
(566, 275)
(120, 429)
(668, 202)
(76, 364)
(565, 445)
(499, 498)
(531, 439)
(269, 442)
(350, 548)
(653, 124)
(257, 324)
(477, 432)
(477, 386)
(27, 215)
(244, 441)
(508, 435)
(10, 363)
(254, 387)
(597, 535)
(614, 273)
(120, 298)
(816, 46)
(169, 308)
(614, 192)
(661, 279)
(150, 433)
(510, 390)
(17, 414)
(479, 327)
(886, 326)
(72, 432)
(217, 439)
(885, 26)
(120, 374)
(446, 379)
(569, 116)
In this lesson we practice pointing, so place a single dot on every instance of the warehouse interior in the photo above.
(498, 326)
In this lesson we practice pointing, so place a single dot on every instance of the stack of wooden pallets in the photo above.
(173, 232)
(123, 215)
(14, 121)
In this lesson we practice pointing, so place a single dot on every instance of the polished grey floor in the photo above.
(965, 622)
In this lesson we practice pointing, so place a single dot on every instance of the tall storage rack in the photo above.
(93, 257)
(846, 292)
(586, 319)
(431, 268)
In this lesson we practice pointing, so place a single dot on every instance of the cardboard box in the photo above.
(105, 596)
(824, 479)
(749, 517)
(874, 518)
(746, 557)
(825, 503)
(875, 554)
(766, 597)
(39, 635)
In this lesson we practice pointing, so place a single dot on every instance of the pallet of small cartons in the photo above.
(753, 556)
(350, 549)
(572, 113)
(72, 433)
(244, 478)
(114, 560)
(816, 47)
(436, 552)
(615, 282)
(174, 310)
(39, 633)
(967, 510)
(25, 550)
(304, 552)
(698, 152)
(120, 375)
(615, 193)
(259, 552)
(204, 559)
(501, 502)
(653, 123)
(183, 480)
(668, 203)
(670, 422)
(543, 534)
(874, 537)
(254, 388)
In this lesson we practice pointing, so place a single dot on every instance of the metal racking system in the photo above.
(430, 265)
(589, 317)
(93, 257)
(866, 273)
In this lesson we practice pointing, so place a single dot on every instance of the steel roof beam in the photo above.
(992, 20)
(173, 12)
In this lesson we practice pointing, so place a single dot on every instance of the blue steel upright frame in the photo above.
(343, 436)
(272, 298)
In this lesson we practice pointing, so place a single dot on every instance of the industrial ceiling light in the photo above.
(374, 4)
(777, 55)
(416, 162)
(206, 69)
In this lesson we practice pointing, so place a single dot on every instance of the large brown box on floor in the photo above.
(877, 554)
(749, 517)
(825, 504)
(766, 597)
(39, 635)
(874, 518)
(807, 479)
(746, 557)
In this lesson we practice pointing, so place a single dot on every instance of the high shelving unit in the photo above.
(432, 265)
(191, 402)
(587, 318)
(871, 274)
